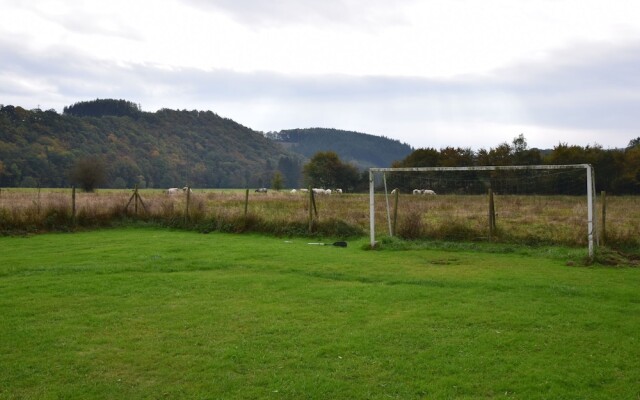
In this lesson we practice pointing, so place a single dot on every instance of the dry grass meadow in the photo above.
(519, 218)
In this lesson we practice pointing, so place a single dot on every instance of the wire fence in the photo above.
(528, 219)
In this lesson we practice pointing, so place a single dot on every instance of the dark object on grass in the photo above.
(338, 244)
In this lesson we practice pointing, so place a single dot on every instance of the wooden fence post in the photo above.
(137, 199)
(144, 208)
(186, 211)
(73, 205)
(603, 195)
(135, 204)
(312, 209)
(313, 201)
(38, 205)
(492, 216)
(246, 203)
(395, 212)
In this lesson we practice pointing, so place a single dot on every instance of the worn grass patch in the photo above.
(146, 313)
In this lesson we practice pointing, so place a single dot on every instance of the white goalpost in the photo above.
(590, 189)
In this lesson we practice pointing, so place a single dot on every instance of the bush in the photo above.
(411, 226)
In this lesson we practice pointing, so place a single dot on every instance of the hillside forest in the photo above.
(359, 149)
(169, 148)
(163, 149)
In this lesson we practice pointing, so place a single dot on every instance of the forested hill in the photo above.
(361, 149)
(167, 148)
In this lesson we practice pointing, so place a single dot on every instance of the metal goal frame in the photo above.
(587, 167)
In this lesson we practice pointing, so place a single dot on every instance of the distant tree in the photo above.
(522, 154)
(327, 171)
(348, 177)
(101, 107)
(520, 144)
(15, 172)
(456, 157)
(428, 157)
(88, 173)
(291, 170)
(277, 181)
(634, 143)
(29, 182)
(627, 180)
(499, 155)
(119, 183)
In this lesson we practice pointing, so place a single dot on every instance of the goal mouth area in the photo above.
(584, 184)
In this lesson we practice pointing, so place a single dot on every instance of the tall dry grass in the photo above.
(520, 219)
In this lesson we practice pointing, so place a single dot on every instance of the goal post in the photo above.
(590, 189)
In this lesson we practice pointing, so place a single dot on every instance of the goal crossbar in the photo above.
(587, 167)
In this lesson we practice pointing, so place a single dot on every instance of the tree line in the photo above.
(617, 171)
(166, 148)
(125, 147)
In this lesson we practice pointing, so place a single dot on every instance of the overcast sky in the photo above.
(430, 73)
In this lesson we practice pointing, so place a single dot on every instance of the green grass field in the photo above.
(150, 314)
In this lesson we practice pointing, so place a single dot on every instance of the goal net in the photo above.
(533, 204)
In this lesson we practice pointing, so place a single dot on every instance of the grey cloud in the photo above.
(582, 88)
(588, 86)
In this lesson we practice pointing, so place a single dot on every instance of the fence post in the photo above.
(312, 209)
(313, 201)
(135, 204)
(246, 203)
(603, 195)
(395, 212)
(133, 197)
(186, 211)
(38, 206)
(73, 205)
(492, 215)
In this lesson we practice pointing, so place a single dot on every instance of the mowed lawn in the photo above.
(153, 314)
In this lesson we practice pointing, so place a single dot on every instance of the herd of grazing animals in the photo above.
(317, 191)
(424, 191)
(174, 191)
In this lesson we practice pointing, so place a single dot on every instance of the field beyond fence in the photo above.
(524, 219)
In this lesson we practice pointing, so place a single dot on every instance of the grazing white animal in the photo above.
(428, 192)
(293, 191)
(327, 191)
(304, 190)
(318, 191)
(417, 191)
(339, 191)
(172, 191)
(187, 188)
(261, 190)
(394, 191)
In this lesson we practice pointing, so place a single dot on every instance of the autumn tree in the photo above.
(326, 170)
(88, 173)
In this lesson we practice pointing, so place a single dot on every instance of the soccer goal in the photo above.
(532, 191)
